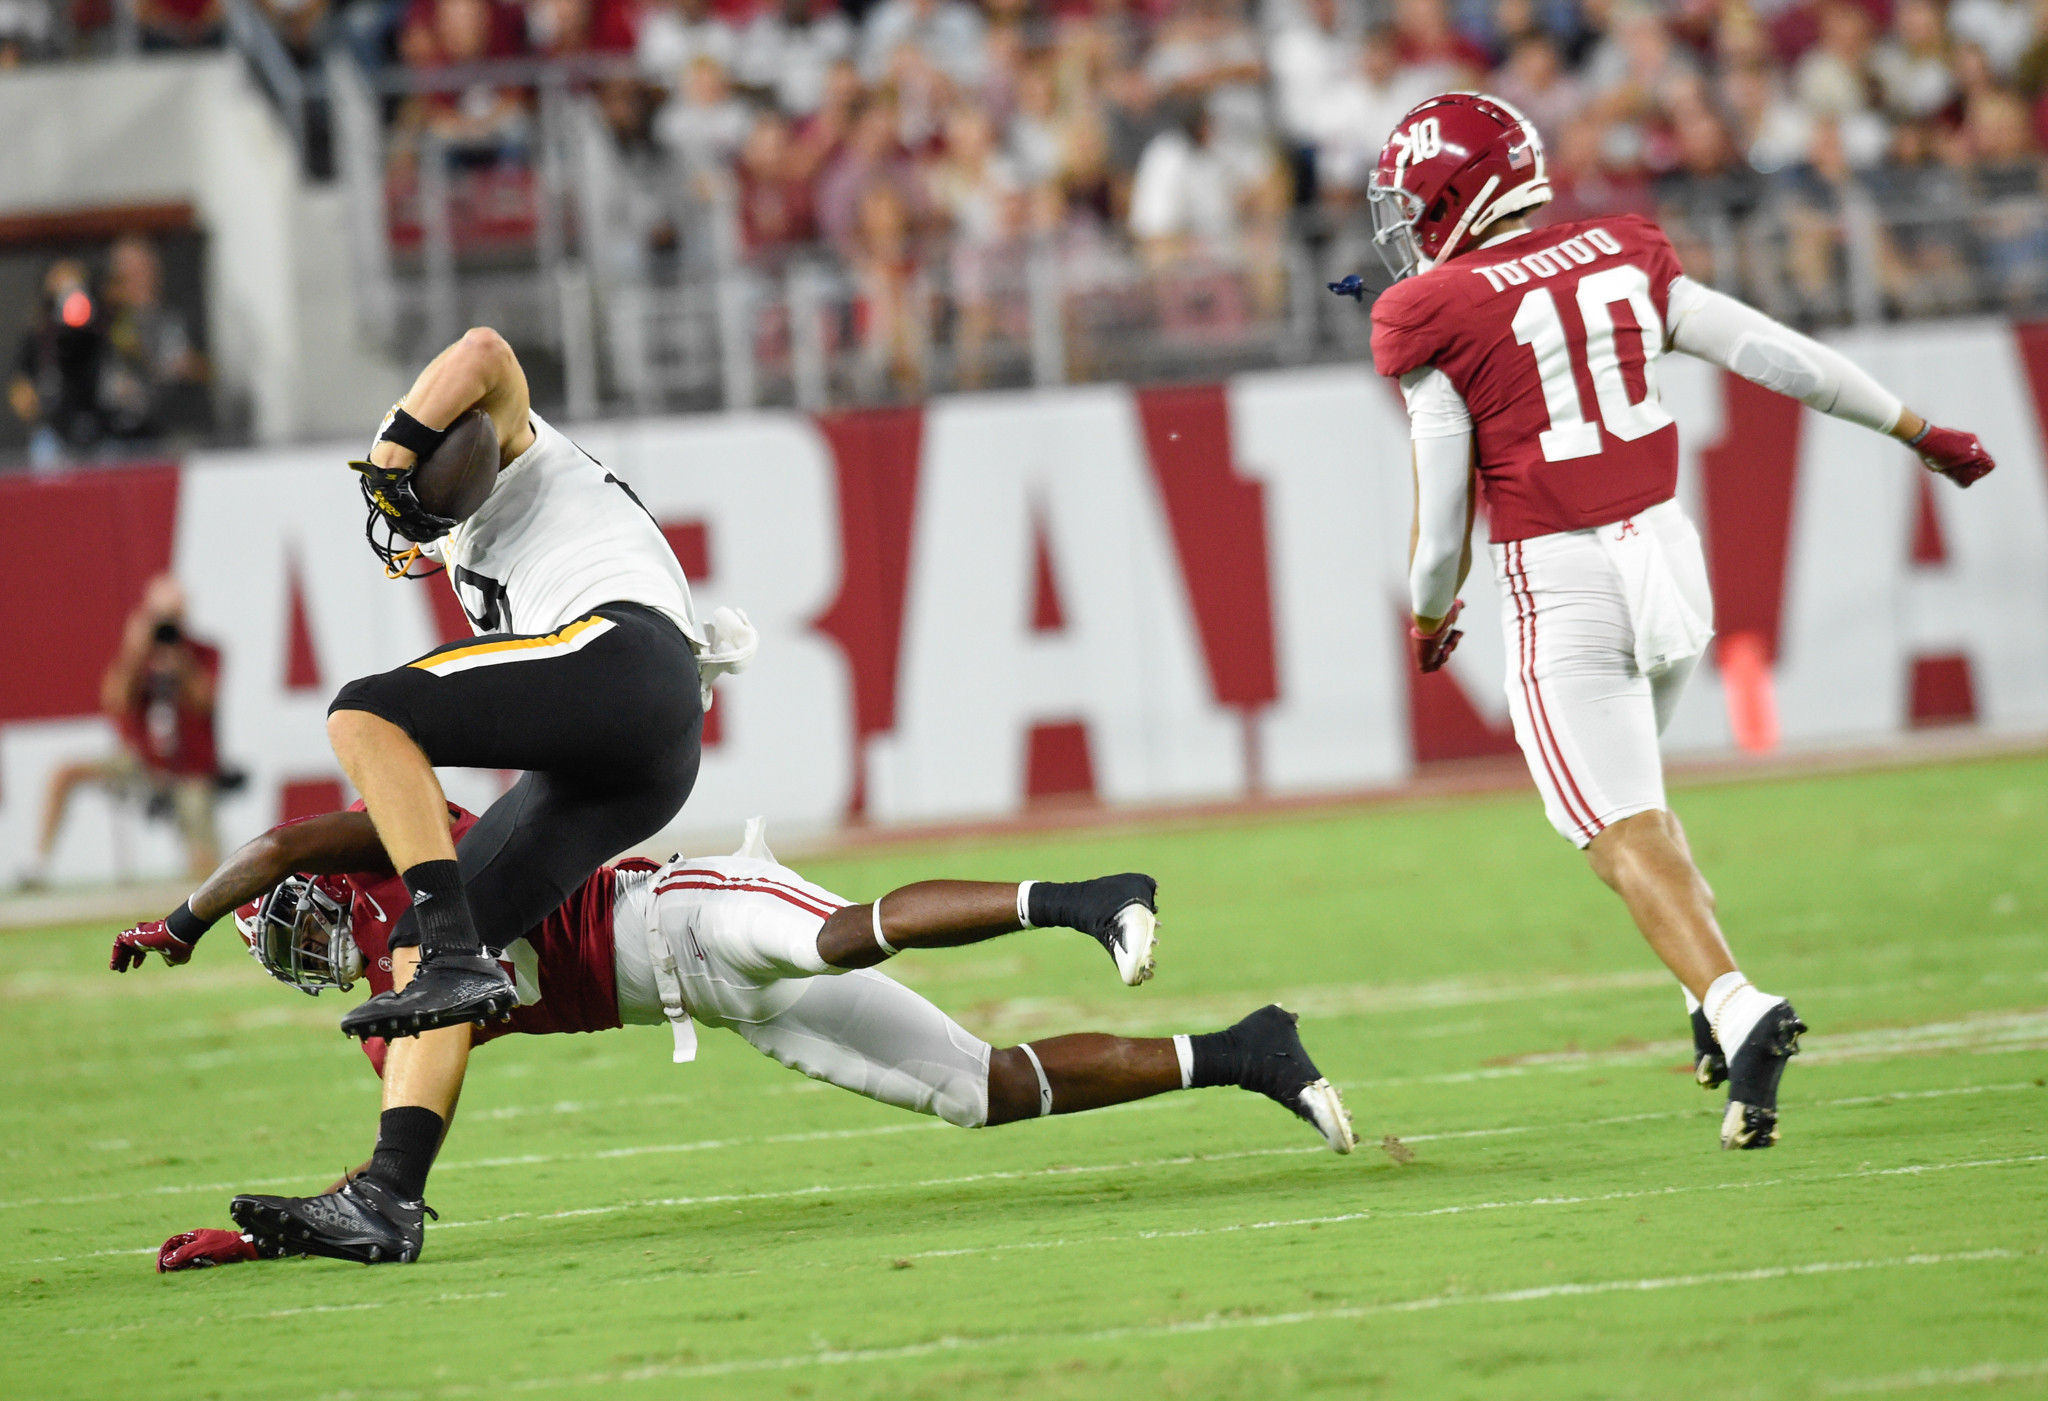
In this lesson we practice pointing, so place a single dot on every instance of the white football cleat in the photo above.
(1131, 945)
(1324, 1108)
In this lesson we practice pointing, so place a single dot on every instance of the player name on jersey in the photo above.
(1549, 262)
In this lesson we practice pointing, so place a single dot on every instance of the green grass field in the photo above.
(614, 1225)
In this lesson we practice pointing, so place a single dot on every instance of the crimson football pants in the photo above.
(603, 716)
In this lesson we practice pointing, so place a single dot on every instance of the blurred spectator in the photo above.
(1586, 187)
(949, 34)
(705, 125)
(560, 28)
(178, 24)
(821, 133)
(1912, 65)
(1195, 203)
(1207, 53)
(1181, 202)
(870, 157)
(1924, 261)
(889, 315)
(481, 124)
(984, 203)
(1038, 134)
(56, 385)
(788, 50)
(1824, 207)
(159, 692)
(26, 29)
(2002, 28)
(676, 33)
(1359, 112)
(150, 355)
(1835, 79)
(774, 198)
(2012, 223)
(1534, 80)
(1426, 36)
(1309, 59)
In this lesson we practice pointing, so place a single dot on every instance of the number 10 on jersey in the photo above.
(1538, 326)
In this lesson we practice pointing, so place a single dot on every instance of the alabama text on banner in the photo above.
(1147, 595)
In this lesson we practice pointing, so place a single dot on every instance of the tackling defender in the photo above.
(590, 672)
(740, 942)
(1528, 360)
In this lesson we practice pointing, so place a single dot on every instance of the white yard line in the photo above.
(924, 1125)
(724, 1199)
(1054, 1340)
(1983, 1374)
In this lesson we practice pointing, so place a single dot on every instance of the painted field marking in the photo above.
(1048, 1340)
(721, 1199)
(1983, 1374)
(724, 1199)
(925, 1125)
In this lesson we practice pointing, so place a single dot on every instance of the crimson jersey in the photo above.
(573, 949)
(1552, 339)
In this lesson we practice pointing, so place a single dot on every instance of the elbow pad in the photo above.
(1724, 332)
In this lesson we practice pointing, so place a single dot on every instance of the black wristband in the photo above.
(409, 432)
(185, 925)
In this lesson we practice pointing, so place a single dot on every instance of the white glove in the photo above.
(731, 641)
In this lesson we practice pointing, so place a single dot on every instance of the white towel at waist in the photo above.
(1668, 630)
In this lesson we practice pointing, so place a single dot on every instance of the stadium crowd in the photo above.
(1779, 139)
(1827, 159)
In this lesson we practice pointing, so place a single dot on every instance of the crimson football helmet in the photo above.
(1455, 164)
(300, 933)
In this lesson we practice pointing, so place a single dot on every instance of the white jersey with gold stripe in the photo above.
(557, 537)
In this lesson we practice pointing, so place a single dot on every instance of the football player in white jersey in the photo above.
(589, 673)
(740, 942)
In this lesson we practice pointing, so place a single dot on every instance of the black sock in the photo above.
(407, 1140)
(1218, 1060)
(441, 909)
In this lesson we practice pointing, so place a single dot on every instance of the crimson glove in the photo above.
(199, 1250)
(1953, 453)
(1433, 649)
(133, 946)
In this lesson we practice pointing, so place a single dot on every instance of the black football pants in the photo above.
(602, 714)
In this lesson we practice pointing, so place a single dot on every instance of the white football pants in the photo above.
(1585, 715)
(750, 962)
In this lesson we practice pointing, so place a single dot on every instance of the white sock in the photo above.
(1692, 1004)
(1185, 1050)
(1734, 1007)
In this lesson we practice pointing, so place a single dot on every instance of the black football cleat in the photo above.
(1753, 1074)
(1709, 1066)
(1122, 913)
(1277, 1066)
(364, 1222)
(448, 989)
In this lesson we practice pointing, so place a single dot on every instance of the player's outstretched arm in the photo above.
(1725, 332)
(479, 370)
(1119, 911)
(333, 844)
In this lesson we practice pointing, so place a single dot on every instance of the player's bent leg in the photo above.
(866, 1032)
(603, 715)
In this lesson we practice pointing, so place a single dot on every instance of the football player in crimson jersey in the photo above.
(736, 941)
(1528, 359)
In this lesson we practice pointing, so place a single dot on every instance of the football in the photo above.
(460, 474)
